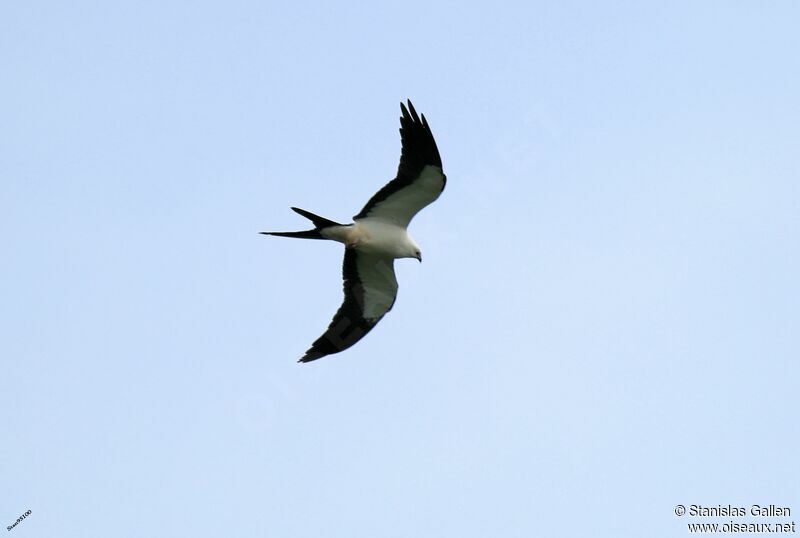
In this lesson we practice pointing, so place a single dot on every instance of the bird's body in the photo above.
(374, 236)
(378, 236)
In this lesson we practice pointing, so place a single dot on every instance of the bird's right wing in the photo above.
(420, 179)
(370, 289)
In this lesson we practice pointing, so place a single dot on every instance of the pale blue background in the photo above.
(605, 324)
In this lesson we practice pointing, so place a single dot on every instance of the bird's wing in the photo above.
(370, 289)
(419, 180)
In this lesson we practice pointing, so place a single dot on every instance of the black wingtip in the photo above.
(411, 109)
(311, 355)
(410, 113)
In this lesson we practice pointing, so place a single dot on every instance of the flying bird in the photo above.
(377, 236)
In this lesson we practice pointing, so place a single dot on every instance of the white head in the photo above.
(412, 250)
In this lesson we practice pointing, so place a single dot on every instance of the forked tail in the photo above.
(319, 223)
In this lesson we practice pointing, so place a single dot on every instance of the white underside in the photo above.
(374, 236)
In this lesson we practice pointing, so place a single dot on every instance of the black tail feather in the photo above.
(308, 234)
(319, 222)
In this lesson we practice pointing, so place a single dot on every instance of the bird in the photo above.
(377, 236)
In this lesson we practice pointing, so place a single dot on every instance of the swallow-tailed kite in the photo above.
(377, 237)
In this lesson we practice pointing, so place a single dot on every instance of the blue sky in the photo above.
(605, 324)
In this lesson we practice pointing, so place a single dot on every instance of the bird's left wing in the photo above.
(370, 288)
(419, 180)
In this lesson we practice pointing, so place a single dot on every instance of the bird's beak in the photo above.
(419, 257)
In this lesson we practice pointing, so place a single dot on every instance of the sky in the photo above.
(605, 324)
